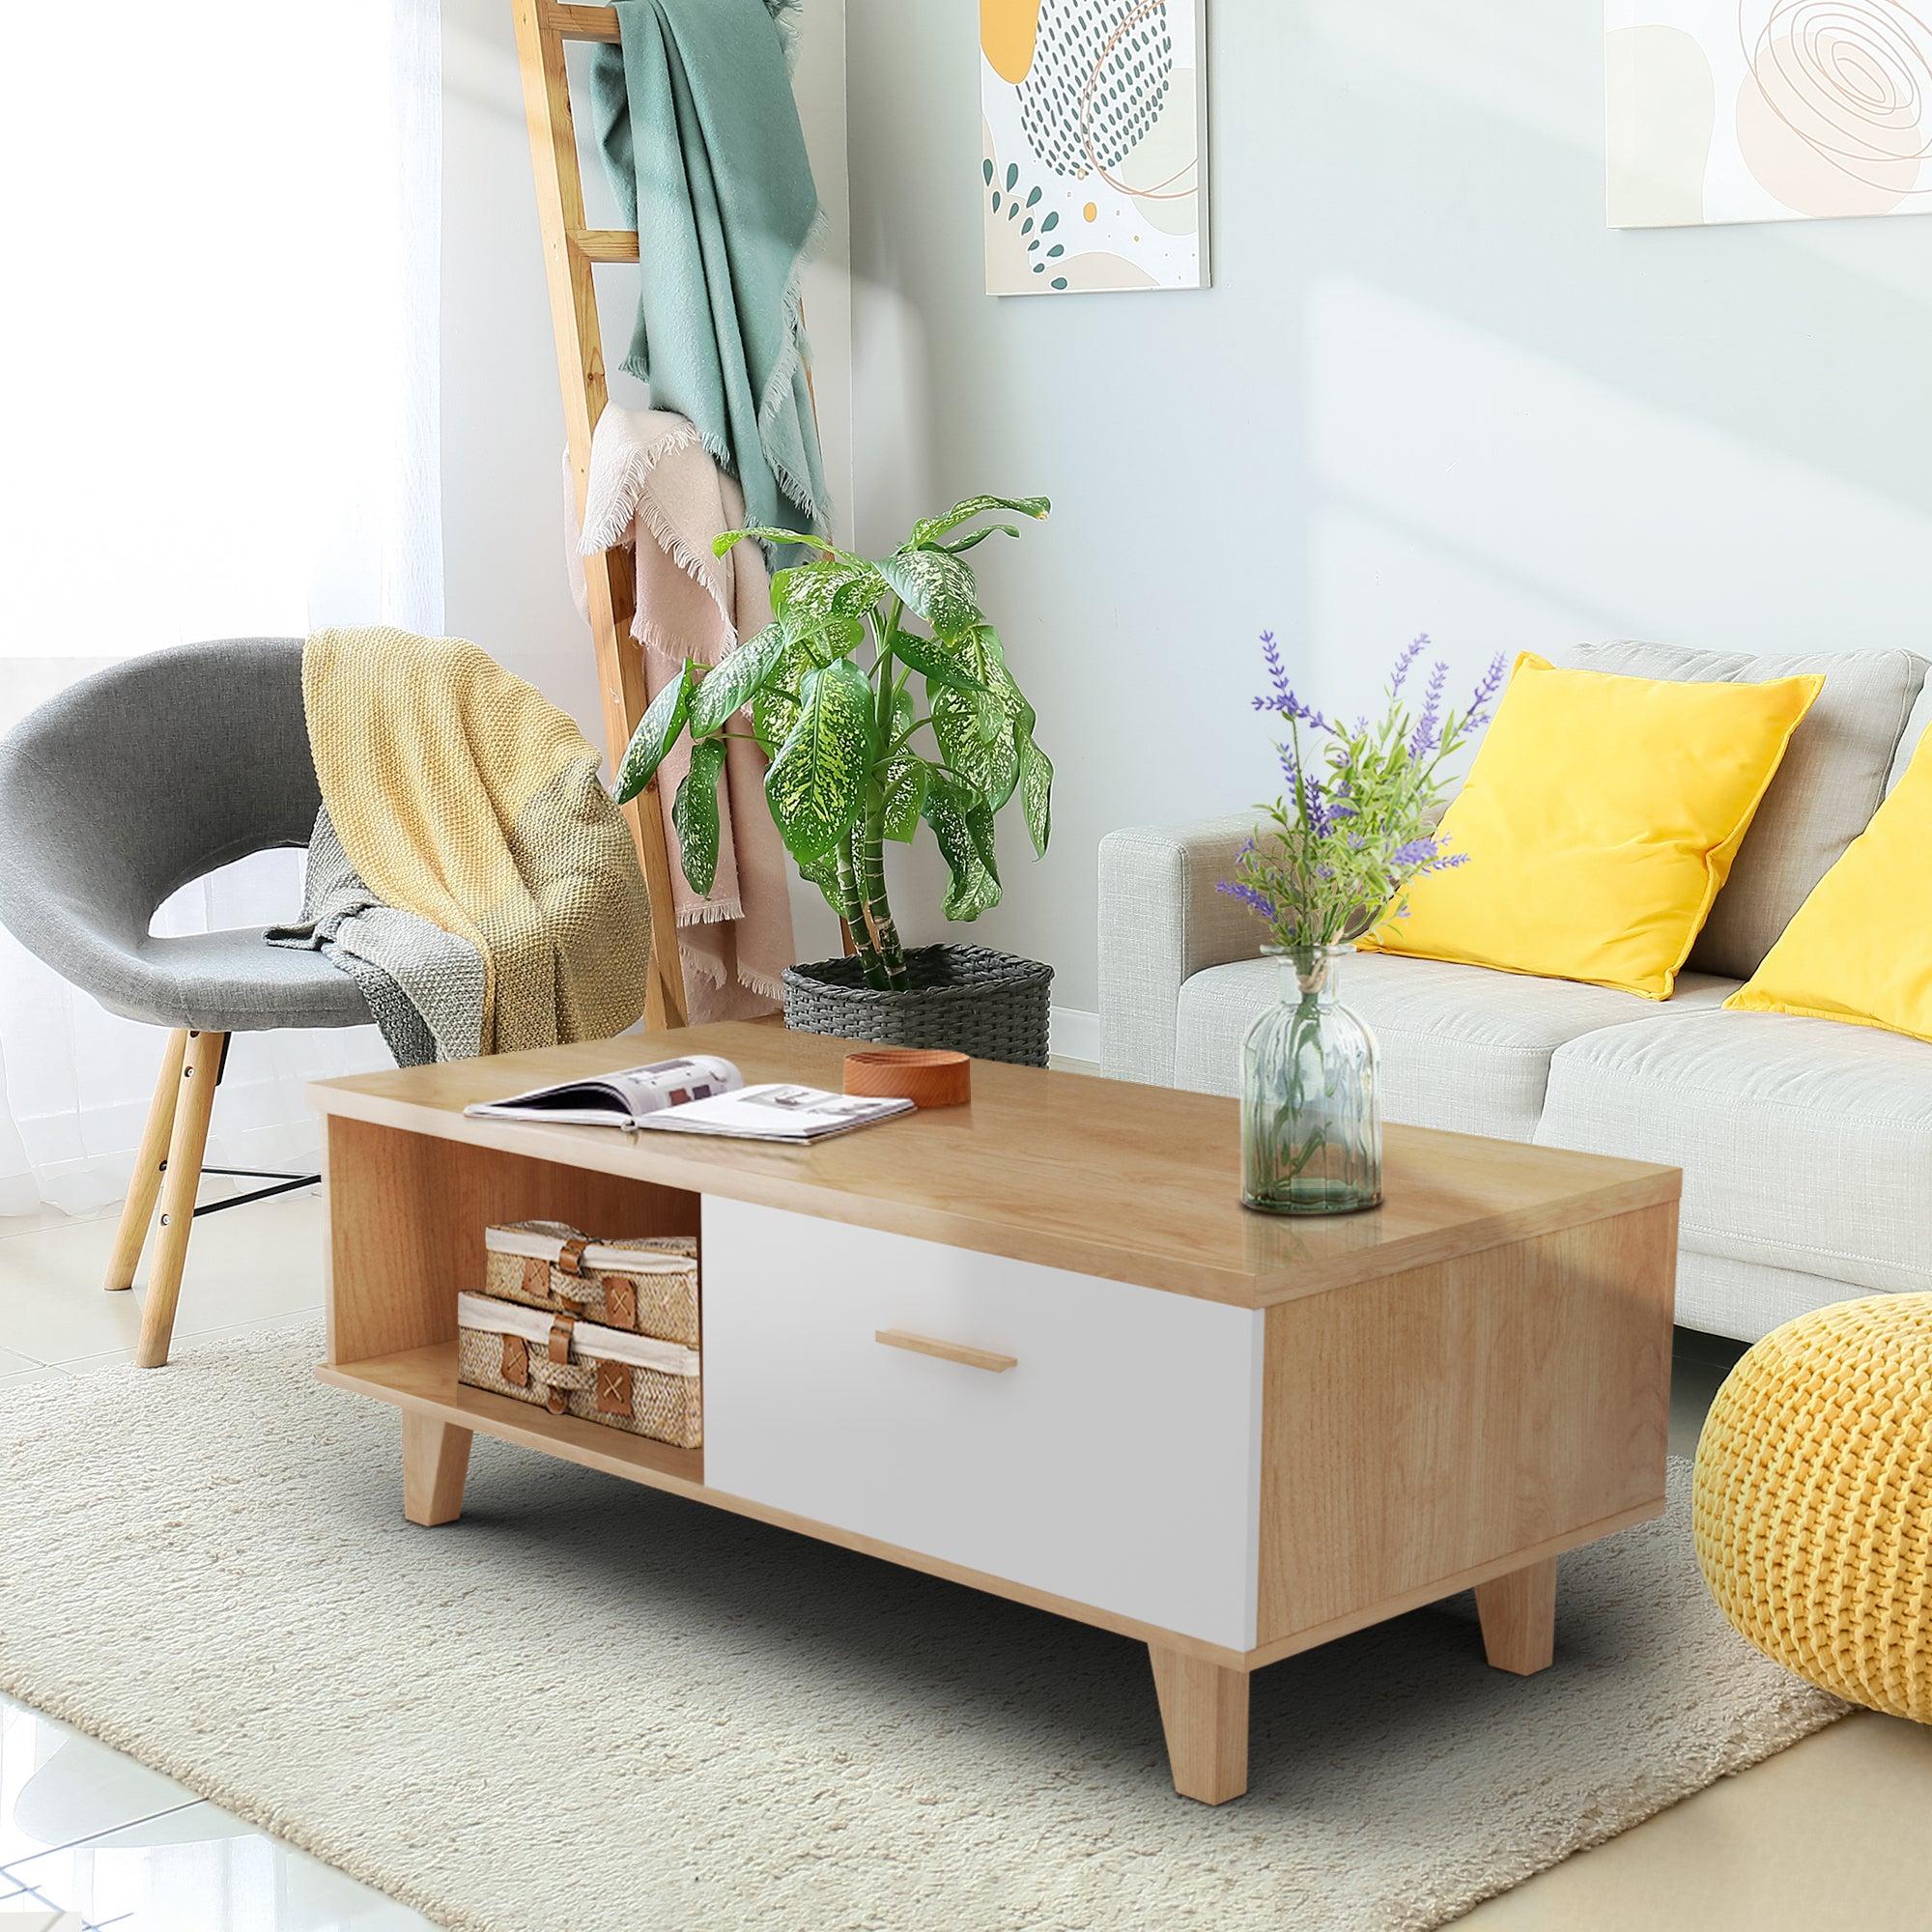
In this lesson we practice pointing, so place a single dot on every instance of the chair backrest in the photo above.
(142, 776)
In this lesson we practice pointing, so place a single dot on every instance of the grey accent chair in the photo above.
(113, 795)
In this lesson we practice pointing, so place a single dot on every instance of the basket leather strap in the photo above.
(516, 1366)
(570, 1256)
(559, 1357)
(613, 1388)
(620, 1302)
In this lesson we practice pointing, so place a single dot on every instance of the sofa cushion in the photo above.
(1858, 951)
(1461, 1047)
(1600, 818)
(1831, 782)
(1916, 729)
(1806, 1145)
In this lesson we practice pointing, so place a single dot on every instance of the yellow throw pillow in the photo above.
(1856, 950)
(1600, 820)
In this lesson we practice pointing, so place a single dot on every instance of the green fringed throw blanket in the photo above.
(701, 136)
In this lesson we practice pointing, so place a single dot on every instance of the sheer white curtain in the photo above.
(219, 385)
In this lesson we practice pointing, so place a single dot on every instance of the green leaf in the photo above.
(693, 814)
(937, 663)
(811, 596)
(904, 711)
(657, 733)
(979, 825)
(973, 889)
(980, 730)
(1036, 794)
(979, 536)
(905, 779)
(990, 765)
(937, 585)
(823, 872)
(732, 680)
(817, 785)
(774, 703)
(931, 528)
(731, 538)
(999, 680)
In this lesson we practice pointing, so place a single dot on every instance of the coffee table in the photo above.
(1035, 1346)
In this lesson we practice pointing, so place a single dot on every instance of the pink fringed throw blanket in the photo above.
(654, 486)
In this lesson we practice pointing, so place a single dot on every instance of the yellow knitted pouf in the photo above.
(1813, 1500)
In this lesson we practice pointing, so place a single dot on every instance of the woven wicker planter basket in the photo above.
(965, 998)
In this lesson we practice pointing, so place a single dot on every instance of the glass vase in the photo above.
(1311, 1123)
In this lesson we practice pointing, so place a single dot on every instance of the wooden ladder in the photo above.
(571, 250)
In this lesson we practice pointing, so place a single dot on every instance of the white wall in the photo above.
(502, 416)
(1429, 390)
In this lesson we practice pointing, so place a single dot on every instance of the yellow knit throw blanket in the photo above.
(464, 796)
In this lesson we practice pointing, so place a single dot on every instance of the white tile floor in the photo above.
(86, 1830)
(1829, 1835)
(83, 1828)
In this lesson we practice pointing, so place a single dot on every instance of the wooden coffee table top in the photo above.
(1102, 1177)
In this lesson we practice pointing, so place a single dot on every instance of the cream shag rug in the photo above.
(588, 1707)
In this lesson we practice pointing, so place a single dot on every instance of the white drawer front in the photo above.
(1116, 1464)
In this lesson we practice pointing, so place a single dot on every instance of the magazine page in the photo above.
(777, 1112)
(619, 1099)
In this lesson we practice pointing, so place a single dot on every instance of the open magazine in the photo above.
(701, 1094)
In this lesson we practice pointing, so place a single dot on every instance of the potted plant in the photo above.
(1333, 858)
(882, 697)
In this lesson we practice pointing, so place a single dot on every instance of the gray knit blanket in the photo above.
(423, 985)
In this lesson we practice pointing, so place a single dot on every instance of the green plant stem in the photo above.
(882, 670)
(852, 910)
(869, 851)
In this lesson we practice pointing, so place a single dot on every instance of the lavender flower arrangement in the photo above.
(1342, 843)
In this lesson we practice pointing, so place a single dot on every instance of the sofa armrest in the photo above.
(1163, 919)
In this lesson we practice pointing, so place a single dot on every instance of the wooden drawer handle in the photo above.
(948, 1352)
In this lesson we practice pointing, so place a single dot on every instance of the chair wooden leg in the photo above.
(195, 1100)
(435, 1460)
(1204, 1710)
(1518, 1618)
(145, 1183)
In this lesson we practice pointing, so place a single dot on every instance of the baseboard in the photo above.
(1076, 1035)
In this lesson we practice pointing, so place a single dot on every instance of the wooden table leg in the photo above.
(436, 1459)
(1519, 1617)
(1204, 1710)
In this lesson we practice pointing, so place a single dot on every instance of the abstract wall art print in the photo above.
(1095, 156)
(1766, 110)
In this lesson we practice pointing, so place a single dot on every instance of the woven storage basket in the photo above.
(990, 1005)
(646, 1287)
(632, 1382)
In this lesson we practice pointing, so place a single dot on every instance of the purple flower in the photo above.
(1428, 726)
(1318, 811)
(1280, 696)
(1277, 670)
(1486, 690)
(1251, 897)
(1417, 852)
(1410, 653)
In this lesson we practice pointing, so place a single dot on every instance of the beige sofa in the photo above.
(1806, 1145)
